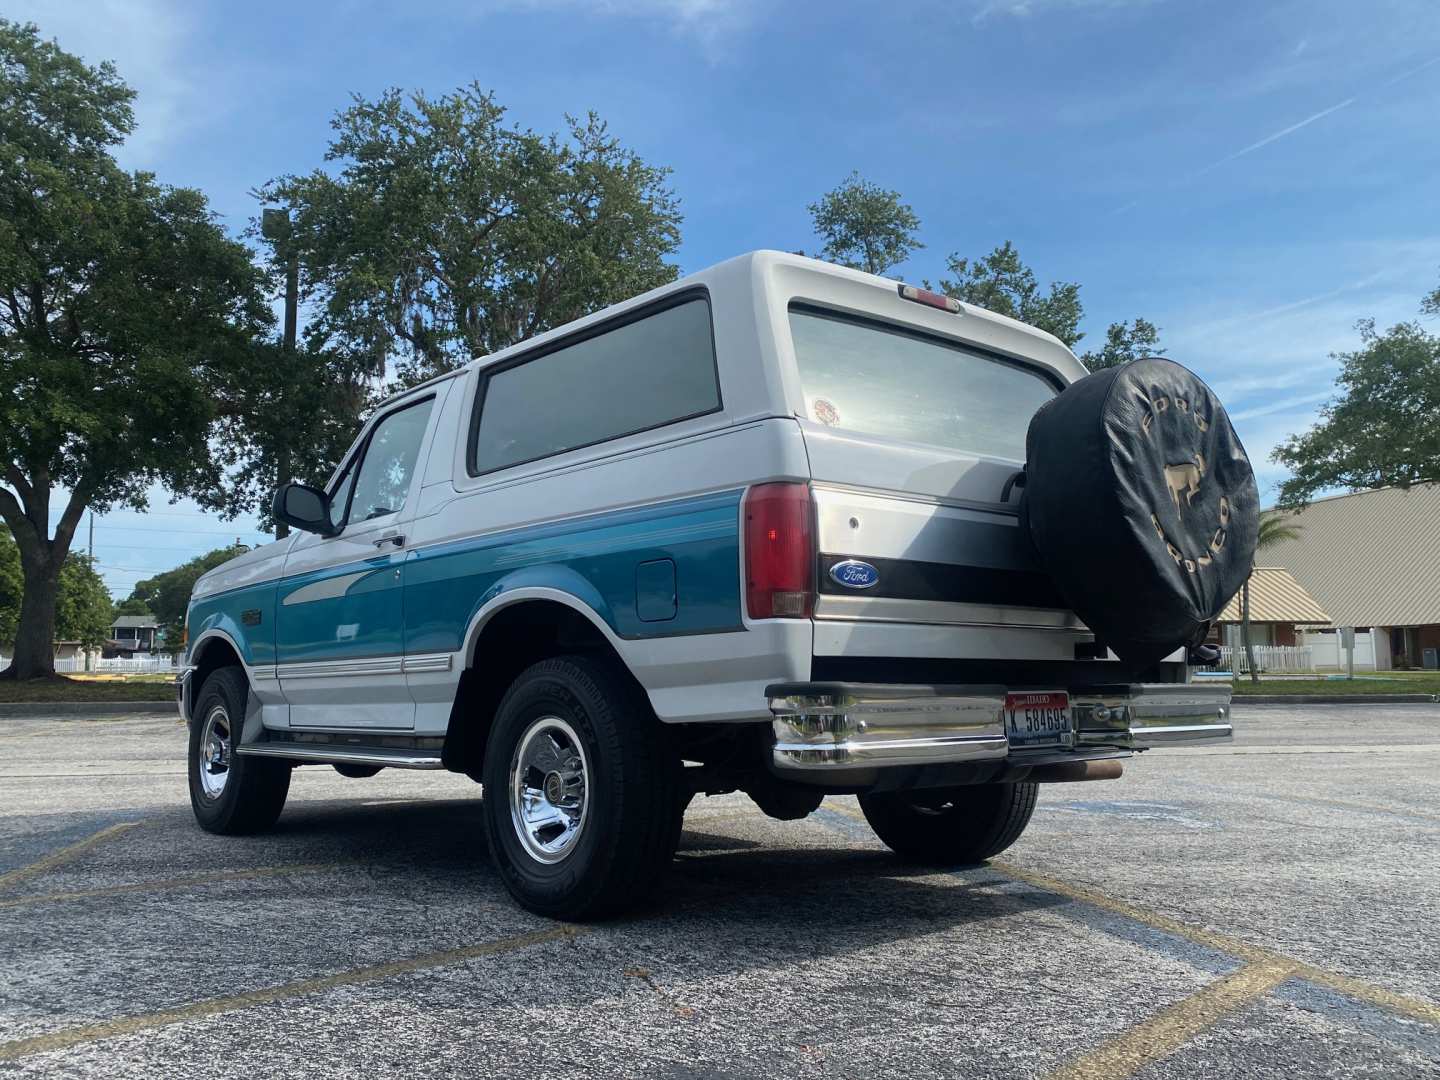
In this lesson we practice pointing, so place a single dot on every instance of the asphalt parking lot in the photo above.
(1266, 908)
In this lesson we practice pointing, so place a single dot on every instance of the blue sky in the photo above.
(1251, 177)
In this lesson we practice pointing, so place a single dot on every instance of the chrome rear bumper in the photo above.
(820, 726)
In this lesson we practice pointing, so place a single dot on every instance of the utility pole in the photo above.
(92, 536)
(275, 227)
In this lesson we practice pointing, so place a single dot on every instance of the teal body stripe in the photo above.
(595, 559)
(430, 604)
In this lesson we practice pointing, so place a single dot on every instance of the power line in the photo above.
(168, 529)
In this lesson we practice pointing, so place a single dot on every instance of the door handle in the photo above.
(393, 538)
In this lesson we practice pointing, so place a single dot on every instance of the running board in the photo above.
(321, 754)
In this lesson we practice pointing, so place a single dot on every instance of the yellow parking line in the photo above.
(126, 1025)
(1253, 954)
(1356, 988)
(1172, 1028)
(169, 884)
(1200, 936)
(64, 855)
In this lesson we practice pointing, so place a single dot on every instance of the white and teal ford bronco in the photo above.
(781, 527)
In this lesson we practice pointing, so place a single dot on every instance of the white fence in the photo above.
(1330, 654)
(1268, 658)
(138, 665)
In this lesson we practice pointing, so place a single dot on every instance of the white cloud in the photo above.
(709, 22)
(1024, 9)
(148, 42)
(1274, 367)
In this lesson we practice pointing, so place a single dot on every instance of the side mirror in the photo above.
(304, 508)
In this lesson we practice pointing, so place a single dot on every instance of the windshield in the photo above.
(868, 377)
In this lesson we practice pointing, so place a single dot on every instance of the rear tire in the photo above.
(582, 799)
(231, 794)
(951, 826)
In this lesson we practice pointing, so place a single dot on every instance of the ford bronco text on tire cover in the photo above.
(780, 527)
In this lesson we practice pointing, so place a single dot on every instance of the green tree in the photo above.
(1276, 527)
(83, 611)
(1382, 429)
(133, 605)
(1125, 342)
(82, 604)
(289, 416)
(167, 595)
(121, 302)
(865, 226)
(12, 588)
(1002, 283)
(443, 234)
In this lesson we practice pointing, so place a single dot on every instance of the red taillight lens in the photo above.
(779, 552)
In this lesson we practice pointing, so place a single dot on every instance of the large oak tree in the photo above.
(443, 233)
(123, 308)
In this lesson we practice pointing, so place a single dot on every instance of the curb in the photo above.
(1332, 699)
(83, 708)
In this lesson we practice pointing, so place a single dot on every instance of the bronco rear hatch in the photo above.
(916, 443)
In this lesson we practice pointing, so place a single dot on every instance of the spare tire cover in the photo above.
(1141, 504)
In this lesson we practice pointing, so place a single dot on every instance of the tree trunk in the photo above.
(1245, 630)
(41, 558)
(35, 635)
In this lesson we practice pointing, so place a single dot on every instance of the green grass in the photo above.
(1391, 682)
(60, 688)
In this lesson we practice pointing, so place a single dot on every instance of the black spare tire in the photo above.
(1141, 504)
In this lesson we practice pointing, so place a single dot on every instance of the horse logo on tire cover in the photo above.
(1182, 480)
(1185, 478)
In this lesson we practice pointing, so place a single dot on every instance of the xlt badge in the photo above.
(854, 574)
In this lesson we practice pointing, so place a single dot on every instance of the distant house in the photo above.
(1372, 561)
(1280, 609)
(131, 634)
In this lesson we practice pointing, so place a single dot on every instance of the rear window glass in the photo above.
(640, 375)
(867, 377)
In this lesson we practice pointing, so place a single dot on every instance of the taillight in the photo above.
(779, 552)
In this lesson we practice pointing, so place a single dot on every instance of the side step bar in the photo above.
(346, 750)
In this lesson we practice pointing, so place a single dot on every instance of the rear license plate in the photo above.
(1038, 718)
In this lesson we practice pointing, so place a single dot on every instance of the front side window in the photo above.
(640, 375)
(878, 380)
(383, 479)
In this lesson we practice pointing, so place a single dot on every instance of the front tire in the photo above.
(951, 826)
(231, 793)
(581, 801)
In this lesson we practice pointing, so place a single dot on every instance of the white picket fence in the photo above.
(138, 665)
(1268, 658)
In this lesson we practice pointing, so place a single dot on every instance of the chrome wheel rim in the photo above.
(216, 749)
(549, 789)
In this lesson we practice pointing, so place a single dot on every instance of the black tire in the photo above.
(253, 790)
(1141, 504)
(632, 810)
(951, 826)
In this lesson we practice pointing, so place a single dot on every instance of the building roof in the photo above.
(1371, 558)
(141, 621)
(1276, 597)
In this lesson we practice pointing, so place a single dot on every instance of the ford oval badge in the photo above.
(854, 574)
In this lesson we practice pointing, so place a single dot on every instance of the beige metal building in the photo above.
(1372, 559)
(1279, 605)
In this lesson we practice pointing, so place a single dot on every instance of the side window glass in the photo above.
(657, 370)
(383, 479)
